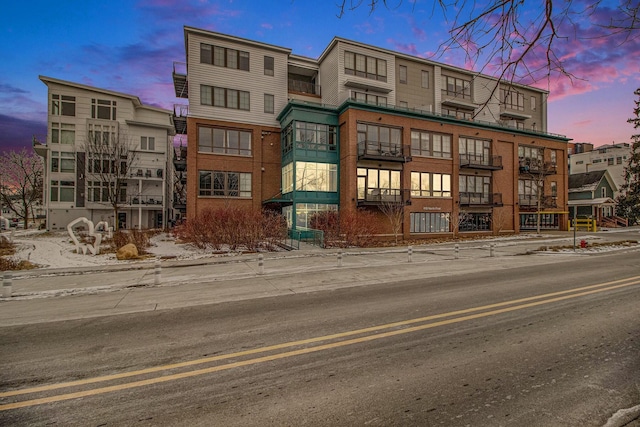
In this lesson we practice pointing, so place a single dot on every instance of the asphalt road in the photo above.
(551, 345)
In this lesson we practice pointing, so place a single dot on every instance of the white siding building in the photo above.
(77, 112)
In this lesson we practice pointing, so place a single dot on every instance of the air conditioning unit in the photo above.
(159, 173)
(148, 174)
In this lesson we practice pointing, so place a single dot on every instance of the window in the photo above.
(365, 66)
(554, 189)
(224, 141)
(459, 88)
(426, 184)
(512, 99)
(305, 212)
(102, 135)
(610, 161)
(287, 178)
(425, 79)
(268, 65)
(475, 189)
(268, 103)
(63, 105)
(379, 185)
(430, 144)
(63, 133)
(100, 191)
(528, 192)
(147, 143)
(618, 160)
(403, 104)
(533, 103)
(379, 140)
(426, 222)
(597, 161)
(63, 162)
(225, 98)
(315, 136)
(474, 221)
(103, 109)
(530, 158)
(402, 73)
(63, 191)
(580, 162)
(475, 150)
(458, 113)
(226, 184)
(316, 177)
(224, 57)
(603, 192)
(553, 156)
(369, 98)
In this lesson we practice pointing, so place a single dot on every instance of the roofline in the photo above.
(234, 39)
(136, 100)
(338, 39)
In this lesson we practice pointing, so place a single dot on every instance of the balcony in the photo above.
(301, 86)
(531, 201)
(537, 167)
(474, 161)
(373, 150)
(381, 196)
(145, 200)
(180, 113)
(180, 83)
(480, 199)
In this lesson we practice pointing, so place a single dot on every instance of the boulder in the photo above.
(128, 251)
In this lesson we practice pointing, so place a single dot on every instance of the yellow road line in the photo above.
(559, 296)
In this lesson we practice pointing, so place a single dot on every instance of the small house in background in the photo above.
(591, 193)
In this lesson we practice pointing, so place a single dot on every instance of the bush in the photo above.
(135, 236)
(234, 228)
(346, 228)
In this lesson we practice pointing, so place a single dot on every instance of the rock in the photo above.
(128, 251)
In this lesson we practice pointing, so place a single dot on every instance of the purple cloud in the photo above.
(18, 133)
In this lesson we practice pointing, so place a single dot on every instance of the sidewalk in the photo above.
(46, 295)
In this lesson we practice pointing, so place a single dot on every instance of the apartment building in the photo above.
(98, 140)
(610, 157)
(363, 127)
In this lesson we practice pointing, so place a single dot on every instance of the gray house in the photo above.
(591, 193)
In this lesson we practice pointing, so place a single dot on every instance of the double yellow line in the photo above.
(310, 345)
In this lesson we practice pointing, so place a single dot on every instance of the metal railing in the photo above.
(304, 87)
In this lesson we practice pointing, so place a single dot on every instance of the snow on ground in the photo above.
(57, 250)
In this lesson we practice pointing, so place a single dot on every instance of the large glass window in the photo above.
(63, 162)
(316, 176)
(63, 191)
(475, 189)
(103, 109)
(457, 87)
(225, 98)
(63, 133)
(430, 144)
(402, 74)
(427, 184)
(224, 141)
(365, 66)
(226, 184)
(475, 221)
(305, 211)
(475, 150)
(224, 57)
(314, 136)
(528, 192)
(380, 140)
(63, 105)
(427, 222)
(287, 178)
(369, 98)
(379, 185)
(512, 99)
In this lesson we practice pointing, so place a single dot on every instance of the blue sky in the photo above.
(130, 45)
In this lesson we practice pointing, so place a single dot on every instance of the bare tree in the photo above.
(108, 161)
(535, 171)
(519, 40)
(393, 208)
(21, 180)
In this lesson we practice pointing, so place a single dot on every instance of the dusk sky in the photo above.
(130, 45)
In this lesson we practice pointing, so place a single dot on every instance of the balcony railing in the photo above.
(536, 167)
(477, 161)
(304, 87)
(375, 150)
(180, 83)
(145, 200)
(380, 196)
(531, 201)
(480, 199)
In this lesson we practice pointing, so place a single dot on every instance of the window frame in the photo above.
(228, 181)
